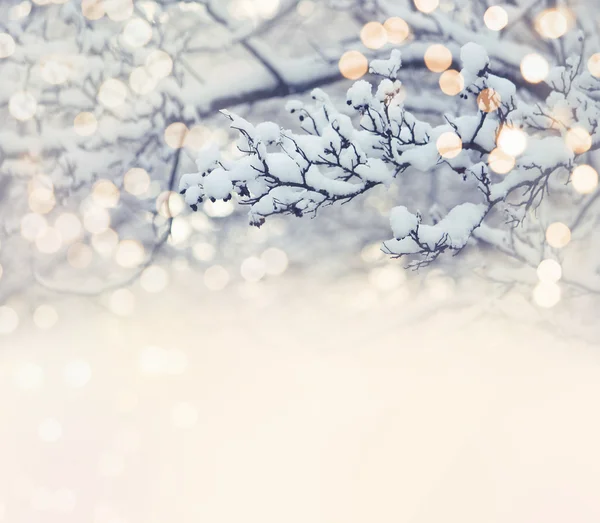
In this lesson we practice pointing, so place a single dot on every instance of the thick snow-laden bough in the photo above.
(338, 158)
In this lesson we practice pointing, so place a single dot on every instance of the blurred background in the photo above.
(159, 365)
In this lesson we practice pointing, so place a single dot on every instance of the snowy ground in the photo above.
(322, 403)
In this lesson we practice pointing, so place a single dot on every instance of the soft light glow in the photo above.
(9, 319)
(170, 204)
(118, 10)
(141, 81)
(534, 68)
(306, 8)
(112, 93)
(438, 58)
(500, 162)
(77, 374)
(22, 105)
(154, 279)
(85, 124)
(79, 255)
(29, 376)
(275, 261)
(106, 194)
(552, 23)
(130, 254)
(49, 241)
(427, 6)
(105, 242)
(216, 278)
(449, 145)
(159, 64)
(373, 35)
(184, 415)
(96, 219)
(175, 134)
(45, 317)
(197, 137)
(110, 465)
(19, 11)
(7, 45)
(122, 302)
(584, 179)
(50, 430)
(512, 141)
(69, 227)
(252, 269)
(136, 181)
(56, 69)
(451, 82)
(92, 9)
(353, 65)
(488, 100)
(549, 271)
(594, 65)
(558, 235)
(397, 30)
(32, 226)
(137, 33)
(203, 251)
(579, 140)
(546, 294)
(495, 18)
(41, 199)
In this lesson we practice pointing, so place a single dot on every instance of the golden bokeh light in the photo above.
(578, 140)
(92, 9)
(96, 219)
(45, 317)
(69, 226)
(141, 81)
(534, 68)
(197, 137)
(130, 254)
(512, 141)
(85, 124)
(546, 294)
(22, 105)
(397, 30)
(56, 69)
(552, 23)
(373, 35)
(106, 194)
(449, 145)
(558, 235)
(170, 204)
(353, 65)
(41, 200)
(79, 255)
(427, 6)
(136, 181)
(32, 226)
(252, 269)
(451, 82)
(593, 65)
(77, 374)
(584, 179)
(105, 242)
(549, 271)
(50, 430)
(500, 162)
(495, 18)
(7, 45)
(175, 134)
(275, 261)
(488, 100)
(159, 64)
(49, 241)
(112, 93)
(136, 33)
(438, 58)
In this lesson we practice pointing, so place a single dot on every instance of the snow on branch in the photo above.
(345, 152)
